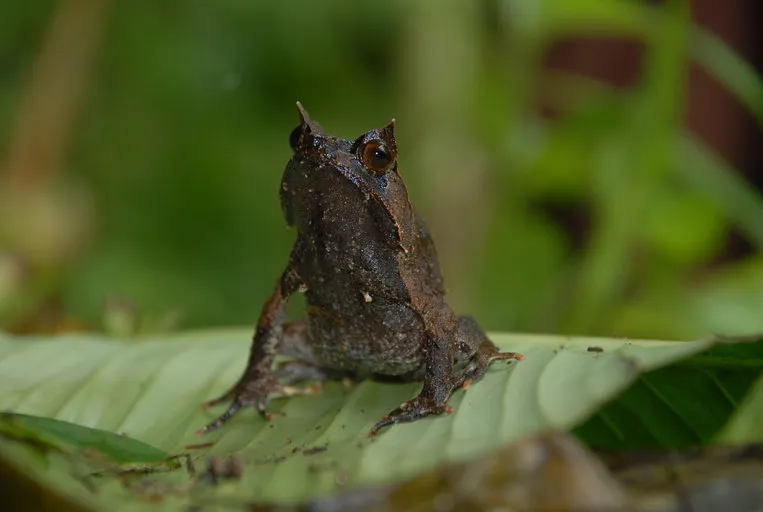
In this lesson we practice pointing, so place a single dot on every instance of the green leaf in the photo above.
(730, 69)
(684, 404)
(670, 393)
(63, 435)
(709, 174)
(619, 17)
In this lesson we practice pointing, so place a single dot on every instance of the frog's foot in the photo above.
(255, 392)
(293, 372)
(480, 362)
(412, 410)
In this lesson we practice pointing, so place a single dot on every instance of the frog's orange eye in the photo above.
(376, 157)
(294, 137)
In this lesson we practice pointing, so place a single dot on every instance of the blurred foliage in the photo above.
(165, 194)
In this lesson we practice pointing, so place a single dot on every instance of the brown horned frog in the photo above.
(375, 295)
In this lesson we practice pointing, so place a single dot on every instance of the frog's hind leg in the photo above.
(475, 349)
(449, 340)
(297, 344)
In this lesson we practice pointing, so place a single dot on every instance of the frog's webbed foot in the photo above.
(412, 410)
(254, 392)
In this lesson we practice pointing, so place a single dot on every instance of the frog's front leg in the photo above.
(449, 340)
(258, 382)
(441, 329)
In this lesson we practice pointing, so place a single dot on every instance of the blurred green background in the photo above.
(586, 166)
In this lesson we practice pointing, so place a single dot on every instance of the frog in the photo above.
(375, 298)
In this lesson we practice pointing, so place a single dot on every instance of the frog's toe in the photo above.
(286, 391)
(259, 401)
(409, 411)
(253, 393)
(227, 397)
(220, 421)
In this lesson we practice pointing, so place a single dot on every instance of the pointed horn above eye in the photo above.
(307, 122)
(389, 130)
(305, 117)
(388, 135)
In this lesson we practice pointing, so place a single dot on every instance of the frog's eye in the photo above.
(375, 156)
(294, 137)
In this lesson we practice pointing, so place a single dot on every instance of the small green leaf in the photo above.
(708, 173)
(619, 17)
(64, 435)
(730, 69)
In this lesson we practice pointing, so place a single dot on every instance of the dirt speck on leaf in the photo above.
(315, 449)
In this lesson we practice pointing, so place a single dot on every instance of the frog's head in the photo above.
(369, 162)
(373, 154)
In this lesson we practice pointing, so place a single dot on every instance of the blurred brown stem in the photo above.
(439, 66)
(59, 76)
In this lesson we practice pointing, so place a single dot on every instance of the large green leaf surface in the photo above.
(670, 393)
